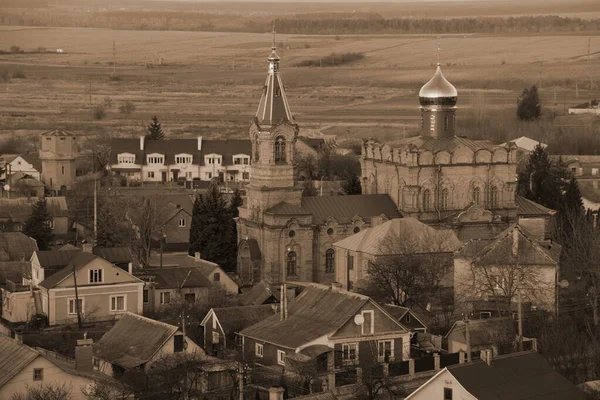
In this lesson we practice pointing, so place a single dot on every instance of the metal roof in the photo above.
(80, 260)
(115, 255)
(343, 208)
(234, 319)
(273, 107)
(259, 293)
(528, 208)
(438, 86)
(175, 277)
(57, 132)
(14, 356)
(55, 258)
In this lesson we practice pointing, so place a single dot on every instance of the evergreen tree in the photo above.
(112, 232)
(154, 130)
(352, 184)
(213, 231)
(571, 214)
(37, 225)
(235, 202)
(528, 104)
(543, 181)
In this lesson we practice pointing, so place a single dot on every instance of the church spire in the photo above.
(273, 107)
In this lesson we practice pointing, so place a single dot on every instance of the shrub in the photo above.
(41, 49)
(114, 78)
(5, 75)
(18, 74)
(15, 49)
(99, 112)
(127, 108)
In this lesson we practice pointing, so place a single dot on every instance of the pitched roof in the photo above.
(526, 143)
(16, 246)
(34, 160)
(528, 208)
(234, 319)
(133, 340)
(343, 208)
(317, 311)
(184, 260)
(175, 277)
(398, 312)
(524, 376)
(370, 239)
(259, 293)
(318, 396)
(14, 356)
(284, 208)
(116, 255)
(273, 107)
(482, 332)
(315, 143)
(57, 132)
(448, 144)
(20, 208)
(55, 258)
(80, 260)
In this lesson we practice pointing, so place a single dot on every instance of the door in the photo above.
(175, 175)
(164, 176)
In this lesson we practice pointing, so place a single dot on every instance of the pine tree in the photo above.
(352, 184)
(38, 227)
(154, 130)
(213, 231)
(528, 104)
(543, 181)
(235, 202)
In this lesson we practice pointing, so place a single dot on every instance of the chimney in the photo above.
(197, 256)
(336, 286)
(376, 221)
(87, 247)
(142, 138)
(276, 393)
(486, 356)
(84, 353)
(199, 143)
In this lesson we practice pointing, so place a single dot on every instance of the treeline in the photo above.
(332, 60)
(329, 23)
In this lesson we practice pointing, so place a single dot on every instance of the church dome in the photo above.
(438, 91)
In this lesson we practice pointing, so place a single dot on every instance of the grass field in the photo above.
(210, 83)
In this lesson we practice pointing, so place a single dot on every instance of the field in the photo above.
(210, 83)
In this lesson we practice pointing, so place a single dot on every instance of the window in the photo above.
(574, 170)
(178, 343)
(150, 174)
(38, 374)
(292, 234)
(245, 175)
(62, 138)
(291, 264)
(594, 171)
(356, 229)
(280, 357)
(189, 175)
(350, 264)
(368, 326)
(237, 160)
(165, 297)
(350, 353)
(189, 298)
(62, 169)
(446, 124)
(217, 277)
(126, 159)
(258, 349)
(156, 159)
(330, 231)
(280, 150)
(117, 303)
(277, 92)
(385, 350)
(95, 276)
(426, 199)
(208, 175)
(145, 295)
(73, 308)
(51, 223)
(476, 195)
(182, 223)
(447, 393)
(493, 197)
(215, 337)
(407, 317)
(485, 315)
(183, 159)
(329, 261)
(444, 199)
(246, 160)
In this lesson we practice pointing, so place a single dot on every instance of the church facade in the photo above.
(282, 234)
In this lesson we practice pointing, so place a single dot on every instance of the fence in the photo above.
(449, 359)
(399, 368)
(424, 364)
(344, 378)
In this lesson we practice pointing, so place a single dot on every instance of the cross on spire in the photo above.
(439, 49)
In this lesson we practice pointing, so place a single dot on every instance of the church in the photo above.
(436, 177)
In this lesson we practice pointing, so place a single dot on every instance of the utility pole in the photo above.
(520, 313)
(515, 253)
(468, 337)
(77, 307)
(95, 198)
(241, 382)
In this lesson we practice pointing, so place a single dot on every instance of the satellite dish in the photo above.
(359, 319)
(563, 284)
(6, 187)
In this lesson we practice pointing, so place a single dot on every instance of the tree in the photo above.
(212, 231)
(127, 108)
(306, 166)
(44, 392)
(112, 231)
(528, 104)
(154, 130)
(147, 219)
(543, 180)
(37, 225)
(308, 188)
(352, 185)
(235, 202)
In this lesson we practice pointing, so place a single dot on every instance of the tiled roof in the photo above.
(528, 208)
(115, 255)
(370, 239)
(80, 260)
(524, 376)
(482, 332)
(55, 258)
(16, 246)
(259, 293)
(133, 340)
(57, 132)
(234, 319)
(14, 356)
(317, 311)
(175, 277)
(34, 160)
(343, 208)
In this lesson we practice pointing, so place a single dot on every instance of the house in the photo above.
(211, 271)
(586, 169)
(406, 317)
(264, 293)
(23, 367)
(535, 218)
(328, 324)
(176, 222)
(44, 263)
(15, 212)
(135, 342)
(487, 270)
(221, 324)
(15, 246)
(27, 163)
(24, 185)
(523, 376)
(354, 254)
(104, 290)
(17, 298)
(498, 334)
(120, 256)
(525, 146)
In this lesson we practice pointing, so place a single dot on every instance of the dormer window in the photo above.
(212, 159)
(280, 150)
(182, 159)
(156, 159)
(126, 158)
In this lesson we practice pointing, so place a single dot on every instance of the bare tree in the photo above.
(108, 389)
(99, 146)
(45, 392)
(147, 217)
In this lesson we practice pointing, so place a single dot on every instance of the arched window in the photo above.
(476, 195)
(446, 124)
(291, 264)
(493, 197)
(426, 199)
(256, 153)
(279, 150)
(329, 261)
(444, 199)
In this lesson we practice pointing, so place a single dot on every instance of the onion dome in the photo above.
(438, 91)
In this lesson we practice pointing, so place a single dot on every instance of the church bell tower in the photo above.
(438, 99)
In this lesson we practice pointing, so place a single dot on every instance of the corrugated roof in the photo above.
(14, 356)
(523, 376)
(133, 340)
(80, 260)
(175, 277)
(259, 293)
(115, 255)
(528, 208)
(316, 311)
(55, 258)
(184, 260)
(343, 208)
(16, 246)
(234, 319)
